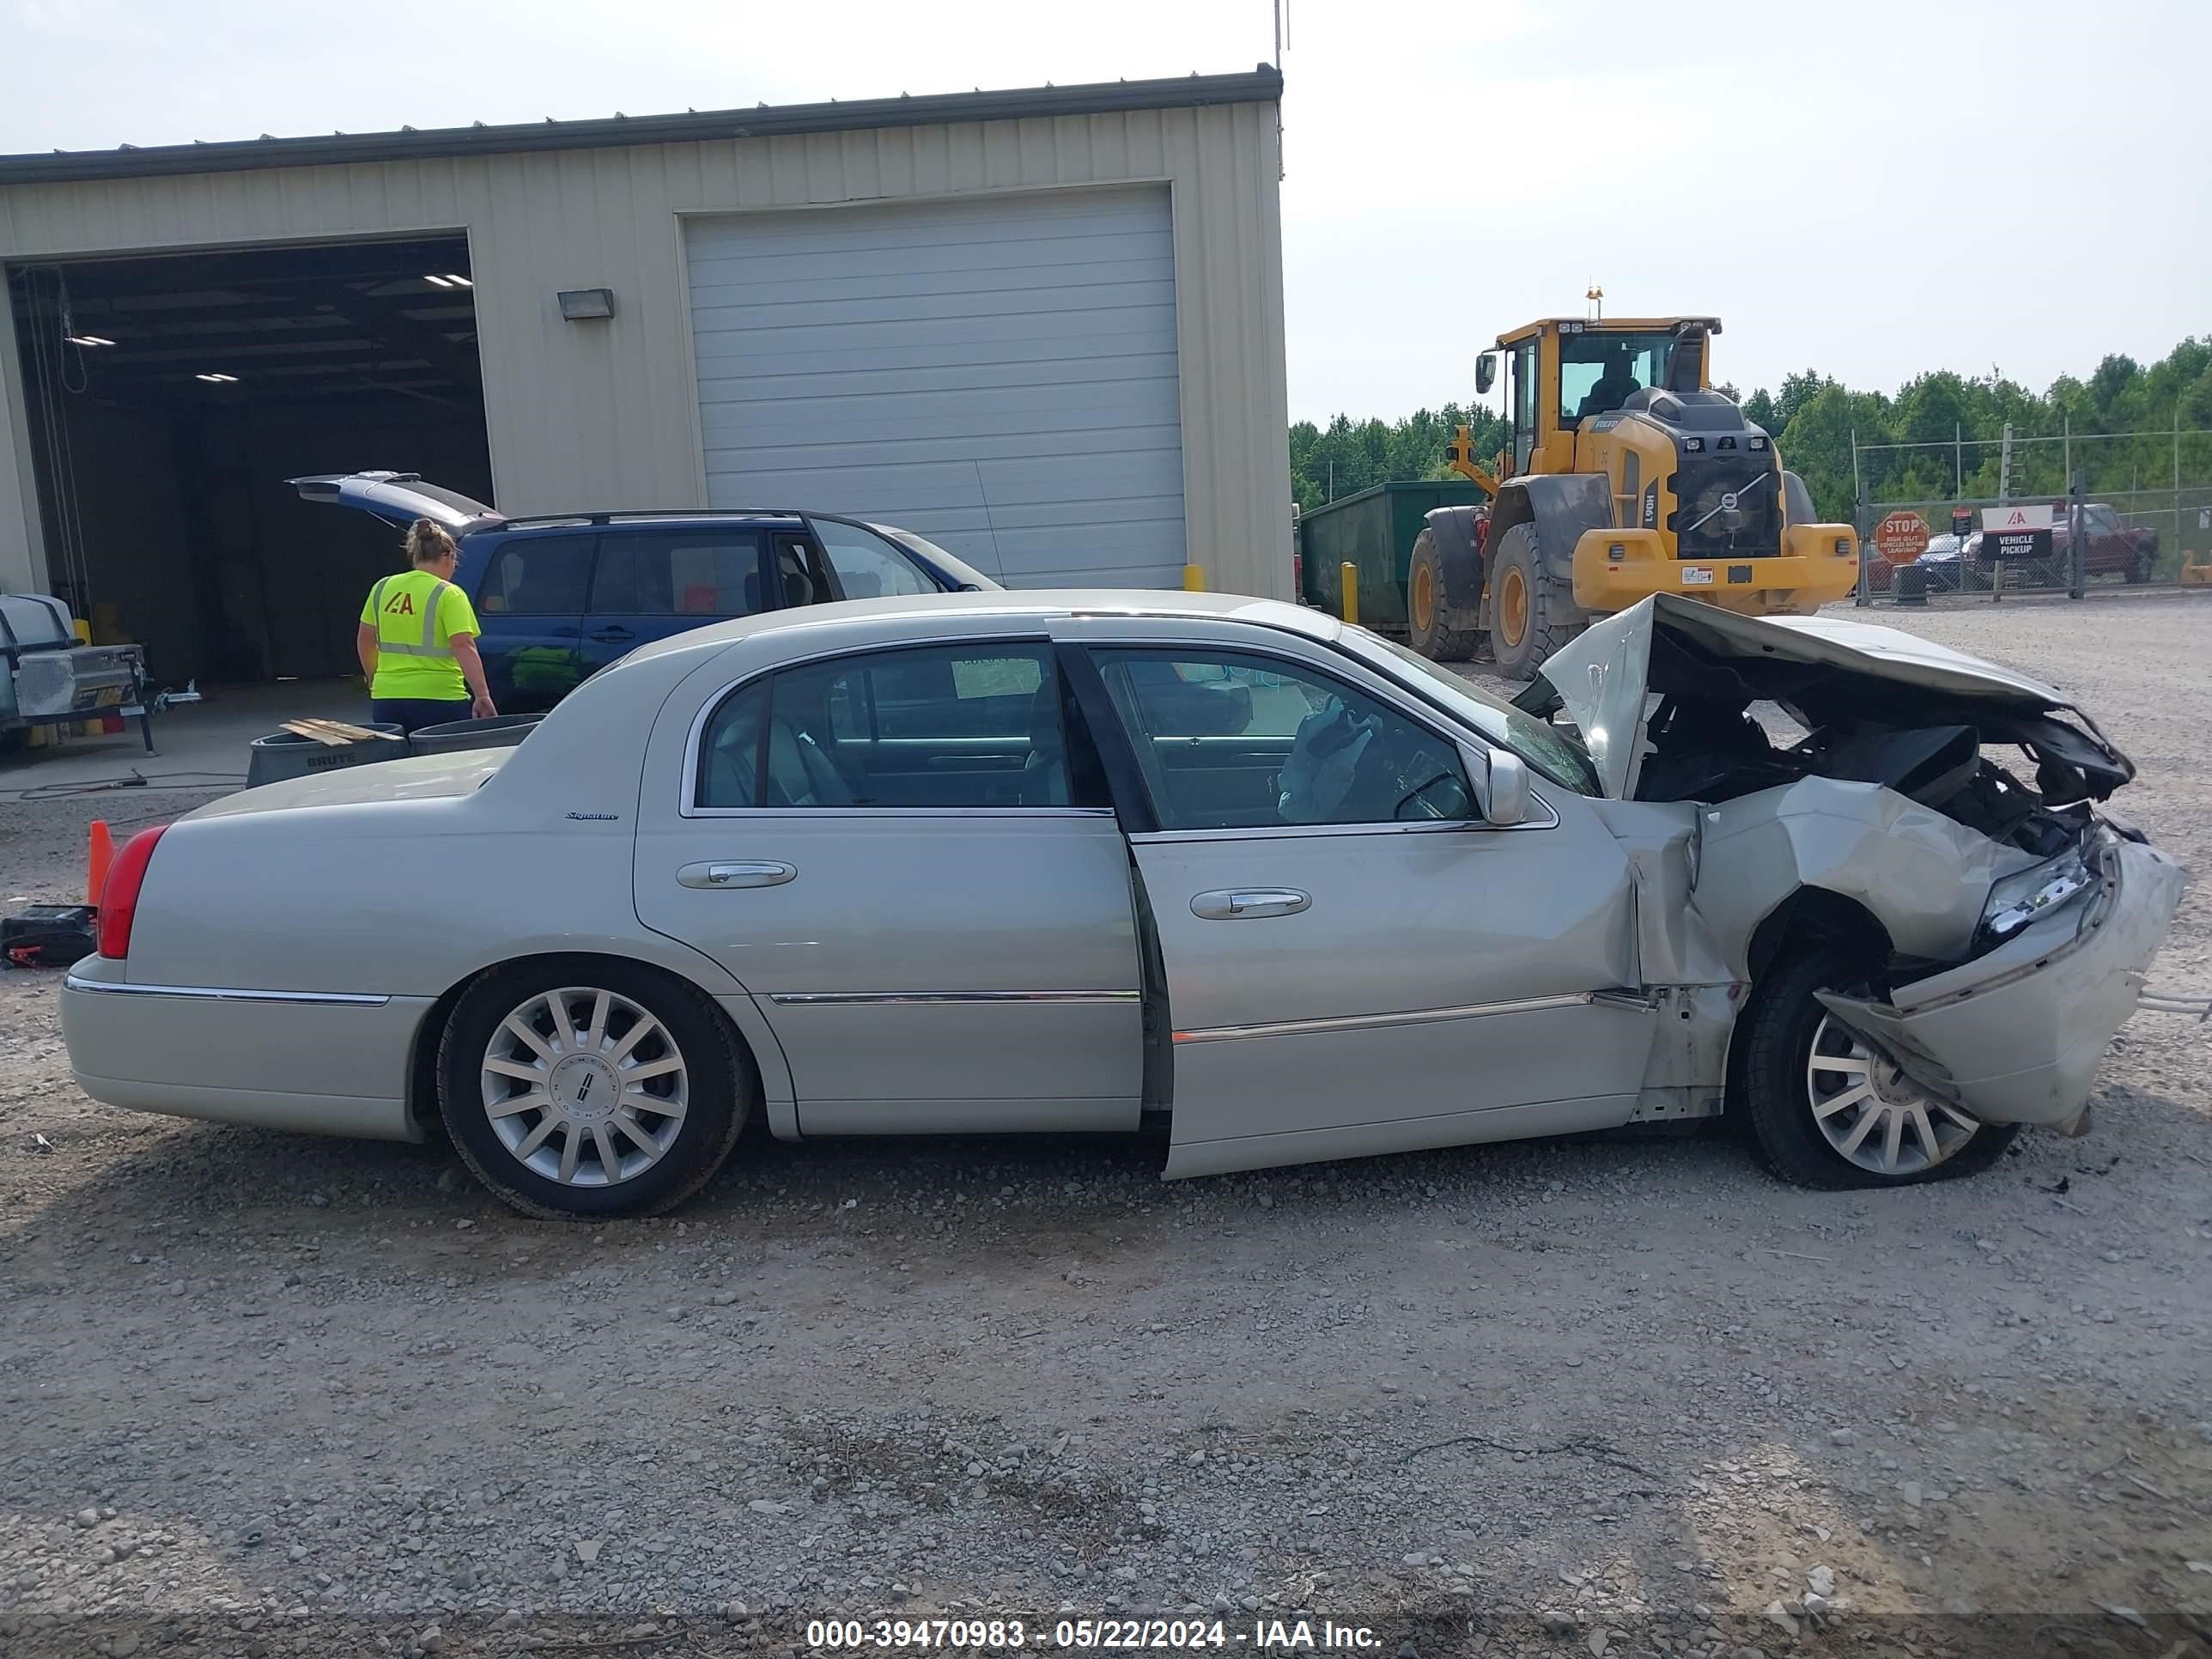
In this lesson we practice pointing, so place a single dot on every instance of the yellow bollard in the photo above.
(1347, 590)
(1194, 579)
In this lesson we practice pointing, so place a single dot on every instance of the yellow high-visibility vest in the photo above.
(416, 616)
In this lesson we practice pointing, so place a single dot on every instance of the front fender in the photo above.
(1453, 529)
(1923, 877)
(1561, 506)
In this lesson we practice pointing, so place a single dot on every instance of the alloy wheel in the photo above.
(1874, 1116)
(584, 1086)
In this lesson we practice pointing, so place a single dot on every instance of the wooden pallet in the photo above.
(338, 732)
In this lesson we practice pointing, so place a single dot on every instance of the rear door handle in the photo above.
(1243, 903)
(613, 635)
(753, 872)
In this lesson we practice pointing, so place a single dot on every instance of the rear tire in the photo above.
(1794, 1069)
(1531, 614)
(583, 1088)
(1425, 607)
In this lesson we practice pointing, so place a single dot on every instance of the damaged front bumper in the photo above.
(2016, 1036)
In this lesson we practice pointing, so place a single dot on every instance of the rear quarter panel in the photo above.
(408, 897)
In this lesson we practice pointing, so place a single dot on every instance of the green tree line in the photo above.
(1959, 419)
(1346, 456)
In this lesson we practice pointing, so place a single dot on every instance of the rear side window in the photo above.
(708, 572)
(537, 576)
(960, 726)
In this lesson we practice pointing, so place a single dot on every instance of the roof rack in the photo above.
(620, 514)
(527, 519)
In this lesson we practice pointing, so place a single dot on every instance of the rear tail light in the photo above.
(119, 899)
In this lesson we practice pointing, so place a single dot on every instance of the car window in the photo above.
(704, 572)
(802, 575)
(869, 566)
(537, 576)
(1230, 741)
(953, 727)
(1542, 745)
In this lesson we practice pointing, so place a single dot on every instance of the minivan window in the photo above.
(707, 572)
(868, 566)
(537, 576)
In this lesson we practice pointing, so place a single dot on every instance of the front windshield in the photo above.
(1554, 752)
(1600, 372)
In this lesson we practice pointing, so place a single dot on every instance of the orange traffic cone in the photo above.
(102, 856)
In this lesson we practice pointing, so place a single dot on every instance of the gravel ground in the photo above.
(264, 1395)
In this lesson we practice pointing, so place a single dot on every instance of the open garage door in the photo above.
(170, 396)
(999, 375)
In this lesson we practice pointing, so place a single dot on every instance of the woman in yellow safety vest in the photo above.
(418, 640)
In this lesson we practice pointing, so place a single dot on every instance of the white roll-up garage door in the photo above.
(997, 375)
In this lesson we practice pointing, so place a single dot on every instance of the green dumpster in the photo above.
(1374, 531)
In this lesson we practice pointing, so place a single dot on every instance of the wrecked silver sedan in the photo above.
(1934, 953)
(1069, 861)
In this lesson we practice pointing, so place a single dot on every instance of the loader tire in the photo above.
(1531, 613)
(1425, 607)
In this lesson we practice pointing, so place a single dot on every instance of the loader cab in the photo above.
(1563, 371)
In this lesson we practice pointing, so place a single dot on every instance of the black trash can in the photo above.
(452, 736)
(288, 755)
(1910, 585)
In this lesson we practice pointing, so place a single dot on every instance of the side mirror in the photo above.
(1506, 801)
(1485, 373)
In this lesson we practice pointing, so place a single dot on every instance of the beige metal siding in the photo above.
(604, 414)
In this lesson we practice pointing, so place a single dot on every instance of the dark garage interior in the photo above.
(170, 398)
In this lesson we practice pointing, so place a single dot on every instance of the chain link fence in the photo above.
(2127, 529)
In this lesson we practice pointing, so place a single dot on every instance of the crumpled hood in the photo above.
(1818, 667)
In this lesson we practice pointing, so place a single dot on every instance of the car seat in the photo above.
(799, 773)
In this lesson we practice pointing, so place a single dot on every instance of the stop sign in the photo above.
(1901, 537)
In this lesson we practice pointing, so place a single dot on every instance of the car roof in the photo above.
(933, 613)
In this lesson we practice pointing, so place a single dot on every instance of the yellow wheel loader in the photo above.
(1626, 475)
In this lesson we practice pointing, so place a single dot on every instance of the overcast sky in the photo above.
(1869, 188)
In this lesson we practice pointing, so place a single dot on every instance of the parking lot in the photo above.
(269, 1395)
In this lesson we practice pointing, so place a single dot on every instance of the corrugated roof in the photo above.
(1262, 85)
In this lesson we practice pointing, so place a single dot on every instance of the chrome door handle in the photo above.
(1239, 903)
(757, 872)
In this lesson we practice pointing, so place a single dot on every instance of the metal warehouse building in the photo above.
(1042, 327)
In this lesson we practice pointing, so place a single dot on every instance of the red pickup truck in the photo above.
(2113, 548)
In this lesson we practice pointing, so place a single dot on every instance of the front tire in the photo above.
(1823, 1109)
(1425, 607)
(583, 1088)
(1531, 615)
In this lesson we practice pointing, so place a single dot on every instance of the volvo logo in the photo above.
(1728, 502)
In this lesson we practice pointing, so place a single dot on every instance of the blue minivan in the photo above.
(559, 596)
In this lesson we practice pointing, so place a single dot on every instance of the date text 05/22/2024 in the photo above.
(1099, 1635)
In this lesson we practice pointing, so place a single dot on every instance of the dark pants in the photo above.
(411, 714)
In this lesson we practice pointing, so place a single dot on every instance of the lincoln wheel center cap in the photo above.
(584, 1086)
(1892, 1086)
